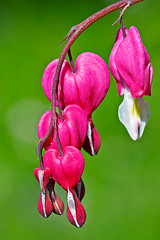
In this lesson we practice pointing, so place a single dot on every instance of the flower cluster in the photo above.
(79, 93)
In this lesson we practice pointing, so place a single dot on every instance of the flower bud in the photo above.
(45, 206)
(75, 210)
(58, 205)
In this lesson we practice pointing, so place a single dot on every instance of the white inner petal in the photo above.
(43, 203)
(72, 207)
(58, 207)
(134, 113)
(40, 176)
(89, 135)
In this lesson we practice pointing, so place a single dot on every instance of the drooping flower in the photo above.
(132, 70)
(67, 171)
(71, 130)
(87, 87)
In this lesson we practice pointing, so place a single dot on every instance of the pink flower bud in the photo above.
(45, 206)
(92, 141)
(42, 176)
(71, 131)
(58, 205)
(87, 87)
(66, 170)
(130, 64)
(75, 210)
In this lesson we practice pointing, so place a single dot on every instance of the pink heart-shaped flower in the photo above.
(71, 131)
(66, 170)
(87, 87)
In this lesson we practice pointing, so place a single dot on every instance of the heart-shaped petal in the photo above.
(48, 76)
(66, 170)
(71, 131)
(63, 132)
(88, 86)
(76, 119)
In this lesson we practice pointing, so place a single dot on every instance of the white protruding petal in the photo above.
(43, 203)
(58, 207)
(40, 176)
(134, 113)
(72, 207)
(89, 135)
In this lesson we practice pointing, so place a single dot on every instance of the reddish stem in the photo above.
(72, 36)
(73, 67)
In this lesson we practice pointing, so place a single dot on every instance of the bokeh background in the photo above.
(122, 182)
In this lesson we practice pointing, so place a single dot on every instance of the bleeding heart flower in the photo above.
(87, 87)
(131, 67)
(67, 169)
(71, 131)
(92, 141)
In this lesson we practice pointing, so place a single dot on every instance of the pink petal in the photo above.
(45, 206)
(63, 132)
(89, 85)
(42, 175)
(58, 205)
(66, 170)
(76, 120)
(48, 76)
(75, 211)
(113, 67)
(130, 62)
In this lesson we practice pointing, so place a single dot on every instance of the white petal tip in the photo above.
(134, 114)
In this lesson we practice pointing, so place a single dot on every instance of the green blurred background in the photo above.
(122, 182)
